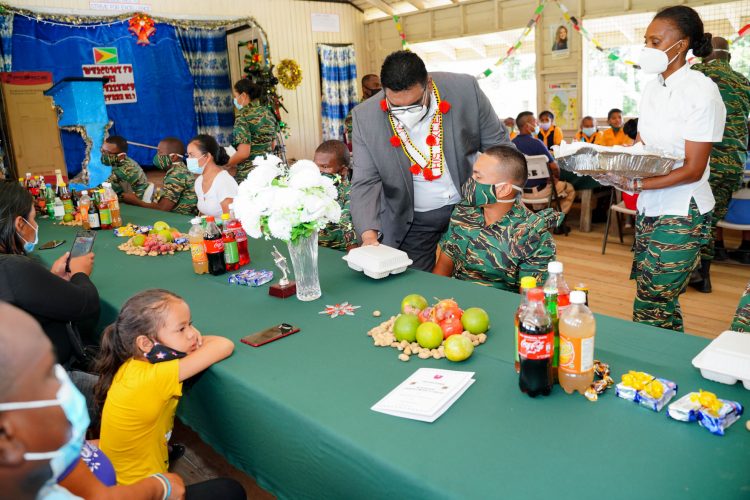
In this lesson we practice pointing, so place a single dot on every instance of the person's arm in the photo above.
(242, 154)
(444, 265)
(83, 483)
(42, 293)
(492, 130)
(366, 189)
(558, 137)
(696, 159)
(213, 350)
(164, 204)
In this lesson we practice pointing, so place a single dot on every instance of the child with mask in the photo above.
(125, 170)
(493, 239)
(178, 191)
(615, 135)
(549, 133)
(145, 356)
(588, 132)
(332, 159)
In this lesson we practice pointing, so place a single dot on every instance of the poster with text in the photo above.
(120, 89)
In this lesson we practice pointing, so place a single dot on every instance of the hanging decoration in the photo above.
(142, 27)
(744, 31)
(401, 34)
(259, 70)
(289, 73)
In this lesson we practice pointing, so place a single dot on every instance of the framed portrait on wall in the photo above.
(560, 35)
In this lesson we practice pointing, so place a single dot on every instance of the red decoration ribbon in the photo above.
(142, 26)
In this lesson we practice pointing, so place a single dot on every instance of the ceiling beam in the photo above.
(419, 4)
(381, 5)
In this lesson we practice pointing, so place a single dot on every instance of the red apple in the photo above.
(451, 326)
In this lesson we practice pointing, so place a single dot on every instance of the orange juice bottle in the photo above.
(577, 330)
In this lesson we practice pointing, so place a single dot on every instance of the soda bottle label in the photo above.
(239, 233)
(198, 252)
(106, 217)
(535, 346)
(214, 246)
(231, 253)
(94, 220)
(68, 206)
(576, 354)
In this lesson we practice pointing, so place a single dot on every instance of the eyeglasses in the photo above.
(402, 110)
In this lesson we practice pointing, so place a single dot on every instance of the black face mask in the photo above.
(160, 353)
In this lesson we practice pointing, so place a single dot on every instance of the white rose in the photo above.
(304, 174)
(259, 178)
(333, 212)
(330, 188)
(287, 198)
(279, 226)
(313, 208)
(271, 160)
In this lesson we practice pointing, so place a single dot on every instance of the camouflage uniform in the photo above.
(727, 157)
(340, 236)
(667, 249)
(741, 321)
(179, 188)
(255, 125)
(502, 253)
(129, 172)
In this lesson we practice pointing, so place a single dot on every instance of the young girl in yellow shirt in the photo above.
(145, 356)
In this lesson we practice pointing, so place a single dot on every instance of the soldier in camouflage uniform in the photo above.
(370, 87)
(727, 157)
(254, 129)
(332, 158)
(124, 169)
(493, 239)
(178, 193)
(741, 322)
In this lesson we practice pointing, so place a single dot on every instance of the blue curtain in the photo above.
(6, 31)
(206, 54)
(163, 84)
(338, 72)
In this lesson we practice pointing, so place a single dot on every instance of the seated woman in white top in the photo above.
(214, 187)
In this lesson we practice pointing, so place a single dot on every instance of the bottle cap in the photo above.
(62, 184)
(195, 220)
(20, 179)
(577, 297)
(555, 267)
(528, 282)
(210, 218)
(536, 295)
(49, 185)
(106, 184)
(225, 216)
(84, 193)
(101, 191)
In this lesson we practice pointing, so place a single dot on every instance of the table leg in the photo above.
(586, 210)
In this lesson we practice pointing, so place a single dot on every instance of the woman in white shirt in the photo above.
(214, 187)
(682, 114)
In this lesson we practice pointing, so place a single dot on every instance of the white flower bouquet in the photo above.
(288, 203)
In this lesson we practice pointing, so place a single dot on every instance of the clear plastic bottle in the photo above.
(214, 242)
(59, 209)
(197, 247)
(577, 332)
(50, 195)
(67, 201)
(114, 204)
(556, 298)
(105, 214)
(58, 181)
(84, 205)
(240, 235)
(527, 283)
(231, 252)
(94, 220)
(535, 346)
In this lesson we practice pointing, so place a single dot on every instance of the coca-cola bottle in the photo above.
(213, 239)
(536, 338)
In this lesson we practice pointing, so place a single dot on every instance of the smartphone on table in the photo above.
(51, 244)
(269, 335)
(82, 245)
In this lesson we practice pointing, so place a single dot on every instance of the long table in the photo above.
(295, 414)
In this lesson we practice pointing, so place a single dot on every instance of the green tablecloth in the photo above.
(295, 414)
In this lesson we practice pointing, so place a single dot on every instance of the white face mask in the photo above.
(653, 61)
(536, 130)
(412, 117)
(194, 167)
(545, 125)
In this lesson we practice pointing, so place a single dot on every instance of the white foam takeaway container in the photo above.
(379, 261)
(726, 359)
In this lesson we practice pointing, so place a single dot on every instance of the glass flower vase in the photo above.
(304, 254)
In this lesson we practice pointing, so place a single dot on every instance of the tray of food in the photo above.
(630, 162)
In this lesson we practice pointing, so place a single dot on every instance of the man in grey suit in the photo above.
(404, 184)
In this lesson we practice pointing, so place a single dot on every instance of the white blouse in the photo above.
(209, 203)
(687, 106)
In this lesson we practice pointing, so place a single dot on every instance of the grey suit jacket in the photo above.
(382, 193)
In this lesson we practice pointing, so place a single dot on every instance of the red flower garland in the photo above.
(384, 105)
(395, 141)
(427, 174)
(415, 169)
(444, 107)
(431, 140)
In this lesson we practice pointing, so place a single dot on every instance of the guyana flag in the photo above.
(105, 55)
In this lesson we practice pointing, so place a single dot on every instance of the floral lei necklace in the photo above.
(430, 167)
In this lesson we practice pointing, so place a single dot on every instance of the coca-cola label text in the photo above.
(214, 246)
(536, 346)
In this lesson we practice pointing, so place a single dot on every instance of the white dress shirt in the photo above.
(687, 106)
(209, 203)
(429, 195)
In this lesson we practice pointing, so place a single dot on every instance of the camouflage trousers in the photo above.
(724, 180)
(667, 249)
(741, 322)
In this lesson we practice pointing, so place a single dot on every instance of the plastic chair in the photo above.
(619, 209)
(148, 194)
(538, 169)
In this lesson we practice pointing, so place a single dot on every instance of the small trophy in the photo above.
(284, 288)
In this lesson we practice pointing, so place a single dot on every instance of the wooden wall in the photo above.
(288, 25)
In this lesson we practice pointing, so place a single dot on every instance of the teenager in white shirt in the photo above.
(214, 187)
(682, 114)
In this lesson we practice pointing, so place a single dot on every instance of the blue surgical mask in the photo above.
(588, 131)
(194, 166)
(536, 130)
(73, 405)
(237, 104)
(28, 246)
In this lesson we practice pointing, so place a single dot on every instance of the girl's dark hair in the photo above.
(15, 200)
(207, 144)
(142, 314)
(245, 86)
(689, 23)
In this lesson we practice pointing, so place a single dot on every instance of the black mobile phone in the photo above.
(269, 335)
(51, 244)
(82, 245)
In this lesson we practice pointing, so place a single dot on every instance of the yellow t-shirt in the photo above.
(138, 417)
(609, 138)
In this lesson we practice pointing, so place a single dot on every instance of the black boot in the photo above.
(720, 253)
(704, 285)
